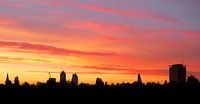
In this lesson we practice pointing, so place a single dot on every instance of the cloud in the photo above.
(148, 72)
(114, 70)
(8, 22)
(117, 39)
(103, 68)
(44, 49)
(138, 14)
(54, 3)
(166, 32)
(190, 32)
(97, 26)
(182, 1)
(9, 59)
(78, 72)
(123, 71)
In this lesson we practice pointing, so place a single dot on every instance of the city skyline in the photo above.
(177, 74)
(63, 78)
(98, 38)
(178, 87)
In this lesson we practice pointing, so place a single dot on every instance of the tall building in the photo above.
(16, 81)
(139, 80)
(62, 77)
(74, 79)
(177, 73)
(8, 82)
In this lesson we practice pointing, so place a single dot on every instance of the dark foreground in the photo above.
(123, 92)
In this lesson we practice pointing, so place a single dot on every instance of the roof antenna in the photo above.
(61, 67)
(182, 60)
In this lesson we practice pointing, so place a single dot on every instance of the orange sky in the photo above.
(93, 38)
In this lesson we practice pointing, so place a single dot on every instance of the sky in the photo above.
(111, 39)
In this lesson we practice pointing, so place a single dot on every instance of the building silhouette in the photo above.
(16, 81)
(139, 79)
(62, 77)
(51, 81)
(74, 80)
(99, 82)
(8, 82)
(177, 73)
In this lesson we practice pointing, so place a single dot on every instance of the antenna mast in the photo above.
(182, 60)
(49, 74)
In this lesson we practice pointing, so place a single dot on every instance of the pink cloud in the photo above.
(190, 32)
(117, 39)
(92, 72)
(8, 22)
(44, 49)
(125, 70)
(104, 68)
(138, 15)
(54, 3)
(111, 70)
(9, 59)
(165, 32)
(97, 26)
(148, 72)
(78, 72)
(83, 25)
(110, 10)
(117, 70)
(14, 4)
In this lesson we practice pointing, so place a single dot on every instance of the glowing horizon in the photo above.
(98, 38)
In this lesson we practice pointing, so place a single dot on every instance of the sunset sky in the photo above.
(111, 39)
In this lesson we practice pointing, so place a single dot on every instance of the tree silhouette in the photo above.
(192, 81)
(99, 82)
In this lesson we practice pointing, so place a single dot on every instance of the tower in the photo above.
(139, 79)
(16, 81)
(177, 73)
(62, 77)
(74, 79)
(8, 82)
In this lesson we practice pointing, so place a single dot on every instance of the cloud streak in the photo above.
(138, 15)
(104, 68)
(44, 49)
(97, 26)
(128, 72)
(8, 22)
(10, 59)
(115, 70)
(78, 72)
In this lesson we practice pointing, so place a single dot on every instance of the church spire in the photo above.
(139, 80)
(7, 77)
(8, 82)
